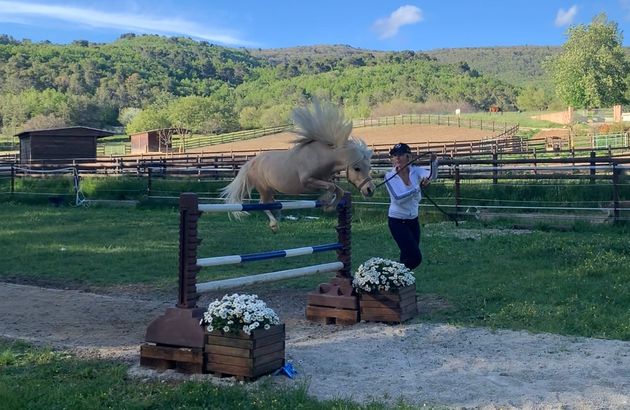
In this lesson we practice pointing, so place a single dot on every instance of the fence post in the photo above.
(12, 179)
(149, 175)
(592, 167)
(344, 237)
(615, 182)
(495, 173)
(188, 243)
(457, 190)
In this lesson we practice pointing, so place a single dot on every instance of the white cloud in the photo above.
(564, 18)
(389, 26)
(11, 11)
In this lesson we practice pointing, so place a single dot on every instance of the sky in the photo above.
(367, 24)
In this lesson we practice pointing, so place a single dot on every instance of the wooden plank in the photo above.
(275, 347)
(341, 302)
(244, 352)
(317, 312)
(380, 297)
(244, 361)
(370, 303)
(276, 329)
(258, 338)
(176, 354)
(266, 341)
(243, 371)
(228, 351)
(228, 341)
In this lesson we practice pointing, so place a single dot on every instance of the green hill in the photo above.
(102, 85)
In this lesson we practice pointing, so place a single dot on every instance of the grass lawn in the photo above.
(573, 283)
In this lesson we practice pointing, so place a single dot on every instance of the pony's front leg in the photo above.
(332, 195)
(273, 222)
(265, 198)
(337, 194)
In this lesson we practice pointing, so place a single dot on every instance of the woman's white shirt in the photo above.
(404, 199)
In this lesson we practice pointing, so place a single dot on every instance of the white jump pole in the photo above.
(268, 277)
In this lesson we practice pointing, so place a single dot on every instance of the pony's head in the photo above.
(359, 167)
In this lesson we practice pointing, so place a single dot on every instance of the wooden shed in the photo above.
(60, 143)
(160, 140)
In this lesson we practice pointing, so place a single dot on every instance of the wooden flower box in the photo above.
(395, 305)
(242, 355)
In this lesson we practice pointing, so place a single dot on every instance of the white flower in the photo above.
(382, 274)
(235, 313)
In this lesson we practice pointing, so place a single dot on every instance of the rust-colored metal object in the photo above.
(336, 302)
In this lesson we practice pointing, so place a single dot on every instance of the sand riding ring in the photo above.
(177, 340)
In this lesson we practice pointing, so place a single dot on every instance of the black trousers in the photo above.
(406, 233)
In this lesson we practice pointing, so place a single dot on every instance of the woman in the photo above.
(404, 183)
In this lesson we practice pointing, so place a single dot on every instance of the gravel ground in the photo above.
(421, 363)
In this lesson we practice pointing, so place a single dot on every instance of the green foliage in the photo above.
(221, 89)
(149, 119)
(533, 99)
(36, 378)
(592, 69)
(518, 65)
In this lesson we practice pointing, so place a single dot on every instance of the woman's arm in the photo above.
(398, 190)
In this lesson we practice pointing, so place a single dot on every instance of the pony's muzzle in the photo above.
(368, 189)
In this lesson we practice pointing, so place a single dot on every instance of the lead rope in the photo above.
(424, 154)
(432, 177)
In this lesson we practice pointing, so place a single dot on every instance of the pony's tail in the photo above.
(237, 190)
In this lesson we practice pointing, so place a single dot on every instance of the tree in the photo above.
(592, 68)
(533, 98)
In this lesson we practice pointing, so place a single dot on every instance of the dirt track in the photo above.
(371, 135)
(418, 362)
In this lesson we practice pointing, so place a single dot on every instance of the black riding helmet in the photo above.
(400, 149)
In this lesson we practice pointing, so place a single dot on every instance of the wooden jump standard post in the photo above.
(179, 327)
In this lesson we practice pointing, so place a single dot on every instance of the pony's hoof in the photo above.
(329, 201)
(331, 207)
(274, 228)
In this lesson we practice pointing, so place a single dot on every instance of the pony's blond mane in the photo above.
(361, 148)
(321, 121)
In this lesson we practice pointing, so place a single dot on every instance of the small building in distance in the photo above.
(70, 143)
(160, 140)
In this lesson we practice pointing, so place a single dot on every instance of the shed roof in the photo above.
(67, 131)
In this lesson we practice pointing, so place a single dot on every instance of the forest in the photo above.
(150, 81)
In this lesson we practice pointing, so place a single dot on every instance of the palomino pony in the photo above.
(322, 149)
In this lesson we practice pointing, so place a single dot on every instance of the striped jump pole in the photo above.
(179, 326)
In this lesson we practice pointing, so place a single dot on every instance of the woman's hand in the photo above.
(424, 182)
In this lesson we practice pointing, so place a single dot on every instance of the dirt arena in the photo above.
(387, 135)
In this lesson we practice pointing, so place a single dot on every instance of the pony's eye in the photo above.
(357, 169)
